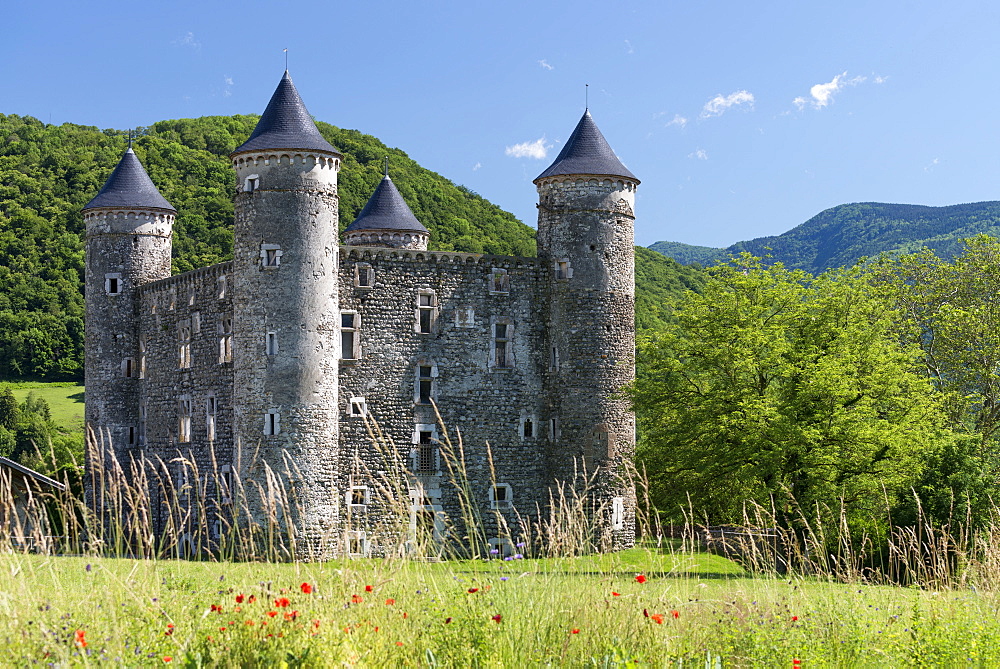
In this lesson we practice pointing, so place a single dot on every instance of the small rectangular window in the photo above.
(425, 382)
(618, 513)
(272, 423)
(553, 428)
(251, 183)
(426, 452)
(563, 269)
(221, 285)
(503, 355)
(195, 320)
(184, 345)
(364, 275)
(210, 408)
(113, 284)
(357, 545)
(271, 343)
(131, 435)
(358, 407)
(500, 496)
(554, 359)
(127, 368)
(349, 325)
(226, 340)
(499, 280)
(528, 428)
(358, 495)
(426, 312)
(184, 421)
(270, 255)
(226, 484)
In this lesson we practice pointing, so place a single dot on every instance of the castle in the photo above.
(279, 362)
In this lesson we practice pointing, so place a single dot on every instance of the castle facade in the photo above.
(314, 366)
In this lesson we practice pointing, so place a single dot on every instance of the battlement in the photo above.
(191, 279)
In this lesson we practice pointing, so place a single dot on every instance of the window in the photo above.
(349, 324)
(226, 484)
(271, 343)
(500, 497)
(184, 420)
(357, 544)
(528, 427)
(184, 345)
(358, 495)
(554, 359)
(425, 453)
(211, 405)
(563, 270)
(132, 435)
(195, 320)
(142, 424)
(502, 355)
(499, 281)
(426, 311)
(191, 296)
(173, 300)
(226, 340)
(618, 513)
(251, 183)
(425, 384)
(113, 284)
(221, 286)
(142, 365)
(364, 275)
(128, 370)
(357, 407)
(272, 423)
(465, 317)
(270, 255)
(554, 428)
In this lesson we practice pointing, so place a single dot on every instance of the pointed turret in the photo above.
(386, 220)
(286, 124)
(129, 187)
(587, 152)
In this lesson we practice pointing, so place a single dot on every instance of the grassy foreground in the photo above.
(683, 611)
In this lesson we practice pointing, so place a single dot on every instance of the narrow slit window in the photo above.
(226, 340)
(128, 368)
(184, 421)
(271, 343)
(349, 332)
(425, 384)
(211, 405)
(272, 423)
(184, 347)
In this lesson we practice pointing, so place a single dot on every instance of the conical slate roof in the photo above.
(286, 124)
(587, 152)
(129, 186)
(386, 210)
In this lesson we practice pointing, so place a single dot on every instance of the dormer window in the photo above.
(251, 183)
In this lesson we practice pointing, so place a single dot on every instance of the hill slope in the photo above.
(841, 235)
(48, 173)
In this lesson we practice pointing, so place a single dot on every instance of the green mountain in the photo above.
(48, 173)
(841, 235)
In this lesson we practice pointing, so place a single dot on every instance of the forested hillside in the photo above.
(48, 173)
(841, 235)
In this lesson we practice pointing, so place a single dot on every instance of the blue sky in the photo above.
(741, 118)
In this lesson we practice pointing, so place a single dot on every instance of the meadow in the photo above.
(682, 609)
(65, 400)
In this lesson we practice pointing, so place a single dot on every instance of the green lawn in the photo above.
(518, 613)
(65, 400)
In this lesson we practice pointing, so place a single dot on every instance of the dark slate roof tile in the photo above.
(386, 210)
(587, 152)
(286, 124)
(129, 186)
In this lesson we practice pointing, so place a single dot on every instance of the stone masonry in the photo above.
(335, 383)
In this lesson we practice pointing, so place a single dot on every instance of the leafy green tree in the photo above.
(9, 409)
(774, 385)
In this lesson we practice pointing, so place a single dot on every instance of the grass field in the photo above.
(65, 400)
(702, 611)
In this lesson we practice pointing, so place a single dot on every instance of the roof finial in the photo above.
(130, 138)
(286, 60)
(586, 97)
(387, 166)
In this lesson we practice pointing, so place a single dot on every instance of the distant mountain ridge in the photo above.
(843, 234)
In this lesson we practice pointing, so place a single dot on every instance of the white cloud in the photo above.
(822, 94)
(720, 103)
(678, 120)
(628, 47)
(475, 168)
(228, 90)
(934, 163)
(545, 64)
(700, 154)
(879, 79)
(536, 149)
(188, 41)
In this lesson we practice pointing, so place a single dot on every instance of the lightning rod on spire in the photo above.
(387, 166)
(586, 97)
(286, 60)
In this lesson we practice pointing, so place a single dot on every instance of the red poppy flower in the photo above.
(657, 618)
(272, 613)
(399, 643)
(357, 599)
(216, 608)
(794, 618)
(80, 641)
(239, 599)
(675, 613)
(168, 659)
(390, 602)
(575, 630)
(291, 615)
(369, 588)
(615, 594)
(281, 602)
(641, 578)
(306, 589)
(497, 618)
(252, 599)
(472, 590)
(405, 615)
(645, 613)
(316, 625)
(170, 629)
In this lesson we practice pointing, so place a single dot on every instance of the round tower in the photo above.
(585, 237)
(286, 319)
(129, 226)
(387, 221)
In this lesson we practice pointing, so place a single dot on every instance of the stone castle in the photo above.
(280, 362)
